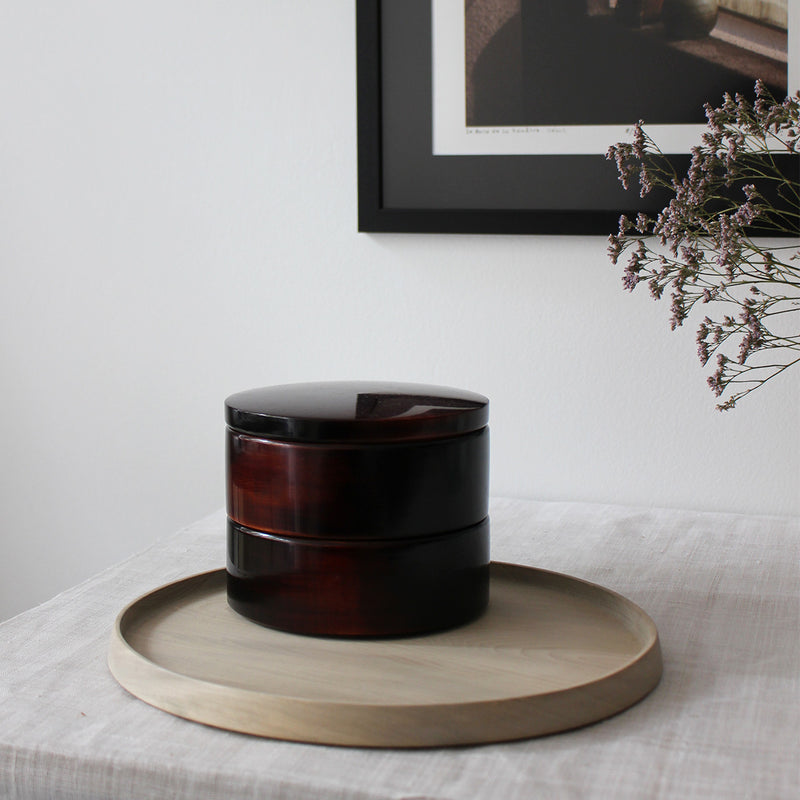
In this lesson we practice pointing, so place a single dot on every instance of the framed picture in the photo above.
(495, 117)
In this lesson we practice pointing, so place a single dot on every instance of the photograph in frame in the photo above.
(459, 143)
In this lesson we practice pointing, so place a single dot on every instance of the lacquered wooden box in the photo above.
(358, 508)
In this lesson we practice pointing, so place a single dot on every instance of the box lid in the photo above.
(342, 411)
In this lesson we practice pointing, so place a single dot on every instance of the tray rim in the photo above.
(638, 677)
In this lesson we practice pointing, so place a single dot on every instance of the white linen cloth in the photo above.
(723, 589)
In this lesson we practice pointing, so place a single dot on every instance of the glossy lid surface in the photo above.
(342, 411)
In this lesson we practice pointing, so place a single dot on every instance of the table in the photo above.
(723, 589)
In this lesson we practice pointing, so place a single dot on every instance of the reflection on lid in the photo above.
(384, 406)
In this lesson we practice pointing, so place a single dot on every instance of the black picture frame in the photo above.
(404, 188)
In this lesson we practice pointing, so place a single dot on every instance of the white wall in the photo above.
(177, 222)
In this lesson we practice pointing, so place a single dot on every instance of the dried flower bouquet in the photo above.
(707, 245)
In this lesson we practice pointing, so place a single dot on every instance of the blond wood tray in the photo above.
(551, 653)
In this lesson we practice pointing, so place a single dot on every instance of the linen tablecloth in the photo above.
(723, 589)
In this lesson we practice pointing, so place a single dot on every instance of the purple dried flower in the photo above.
(678, 309)
(630, 278)
(656, 289)
(702, 343)
(642, 223)
(645, 182)
(615, 248)
(717, 380)
(639, 145)
(708, 254)
(745, 214)
(749, 344)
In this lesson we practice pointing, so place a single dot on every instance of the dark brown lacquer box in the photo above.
(358, 508)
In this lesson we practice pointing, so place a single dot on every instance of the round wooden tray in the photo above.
(551, 653)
